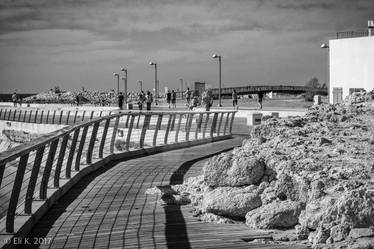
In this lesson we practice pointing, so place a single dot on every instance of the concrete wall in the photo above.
(351, 64)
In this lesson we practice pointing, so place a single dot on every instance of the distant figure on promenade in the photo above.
(260, 97)
(148, 100)
(193, 103)
(207, 99)
(141, 99)
(14, 99)
(168, 98)
(77, 99)
(120, 100)
(174, 99)
(20, 101)
(188, 96)
(234, 99)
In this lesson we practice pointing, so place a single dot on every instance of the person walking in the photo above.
(207, 100)
(260, 98)
(188, 96)
(168, 98)
(141, 99)
(174, 99)
(148, 100)
(234, 99)
(14, 99)
(120, 100)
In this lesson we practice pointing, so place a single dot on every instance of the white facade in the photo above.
(351, 66)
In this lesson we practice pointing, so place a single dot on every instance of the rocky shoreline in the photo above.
(310, 177)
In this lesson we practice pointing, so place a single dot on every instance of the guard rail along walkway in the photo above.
(36, 174)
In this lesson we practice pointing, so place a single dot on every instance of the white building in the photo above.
(351, 62)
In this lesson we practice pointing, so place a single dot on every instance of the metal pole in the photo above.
(117, 84)
(141, 85)
(156, 89)
(125, 86)
(181, 88)
(219, 90)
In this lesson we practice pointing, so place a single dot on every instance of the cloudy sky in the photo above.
(75, 43)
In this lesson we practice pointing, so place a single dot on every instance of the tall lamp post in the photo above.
(219, 77)
(156, 89)
(117, 75)
(326, 46)
(141, 85)
(125, 83)
(181, 87)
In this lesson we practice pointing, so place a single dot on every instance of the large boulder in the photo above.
(231, 202)
(283, 214)
(228, 170)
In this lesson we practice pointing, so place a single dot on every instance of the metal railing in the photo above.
(44, 116)
(351, 34)
(29, 172)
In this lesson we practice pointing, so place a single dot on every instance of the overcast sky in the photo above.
(75, 43)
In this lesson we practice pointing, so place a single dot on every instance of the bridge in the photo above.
(83, 186)
(243, 90)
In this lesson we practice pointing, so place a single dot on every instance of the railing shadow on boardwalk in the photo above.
(35, 175)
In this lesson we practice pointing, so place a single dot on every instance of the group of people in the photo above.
(171, 98)
(16, 100)
(234, 97)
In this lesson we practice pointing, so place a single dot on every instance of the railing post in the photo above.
(71, 153)
(36, 115)
(10, 113)
(47, 117)
(188, 127)
(54, 115)
(167, 129)
(226, 123)
(60, 120)
(41, 117)
(129, 130)
(173, 122)
(158, 126)
(219, 124)
(19, 116)
(198, 125)
(33, 178)
(75, 116)
(114, 134)
(147, 119)
(101, 113)
(205, 124)
(80, 148)
(5, 114)
(1, 112)
(92, 142)
(103, 138)
(178, 128)
(13, 201)
(214, 124)
(14, 115)
(30, 116)
(67, 118)
(47, 170)
(2, 169)
(92, 113)
(232, 121)
(60, 160)
(137, 123)
(84, 113)
(127, 120)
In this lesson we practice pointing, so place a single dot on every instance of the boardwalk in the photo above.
(108, 209)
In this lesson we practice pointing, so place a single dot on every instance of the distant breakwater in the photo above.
(6, 97)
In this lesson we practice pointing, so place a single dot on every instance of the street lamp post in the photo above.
(219, 77)
(117, 75)
(181, 87)
(125, 83)
(326, 46)
(141, 85)
(156, 89)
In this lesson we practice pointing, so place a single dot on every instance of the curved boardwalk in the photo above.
(108, 209)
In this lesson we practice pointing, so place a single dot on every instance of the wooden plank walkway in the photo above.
(109, 208)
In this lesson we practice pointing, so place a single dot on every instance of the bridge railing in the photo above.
(32, 172)
(50, 116)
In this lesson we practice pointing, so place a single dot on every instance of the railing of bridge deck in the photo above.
(29, 172)
(48, 116)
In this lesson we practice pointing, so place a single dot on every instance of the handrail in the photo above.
(92, 141)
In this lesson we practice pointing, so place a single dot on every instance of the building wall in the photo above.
(351, 64)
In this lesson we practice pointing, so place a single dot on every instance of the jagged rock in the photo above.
(340, 232)
(356, 233)
(212, 218)
(323, 141)
(231, 202)
(283, 214)
(226, 170)
(302, 232)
